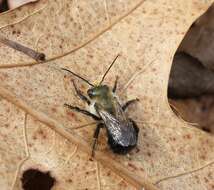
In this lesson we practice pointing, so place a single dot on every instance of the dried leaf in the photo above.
(85, 36)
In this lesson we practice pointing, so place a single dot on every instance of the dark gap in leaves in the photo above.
(189, 78)
(3, 6)
(191, 82)
(33, 179)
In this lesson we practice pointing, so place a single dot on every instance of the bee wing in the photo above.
(122, 131)
(119, 113)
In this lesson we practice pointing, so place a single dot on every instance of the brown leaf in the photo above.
(85, 37)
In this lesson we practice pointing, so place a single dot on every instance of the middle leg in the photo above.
(85, 112)
(128, 103)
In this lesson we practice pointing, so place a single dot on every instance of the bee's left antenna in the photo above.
(109, 69)
(76, 75)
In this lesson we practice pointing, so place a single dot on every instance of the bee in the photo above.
(104, 107)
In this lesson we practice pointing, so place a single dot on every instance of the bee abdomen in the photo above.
(120, 149)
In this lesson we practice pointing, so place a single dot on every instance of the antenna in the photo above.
(109, 69)
(76, 75)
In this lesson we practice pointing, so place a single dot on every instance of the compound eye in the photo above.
(90, 93)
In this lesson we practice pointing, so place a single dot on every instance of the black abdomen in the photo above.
(118, 148)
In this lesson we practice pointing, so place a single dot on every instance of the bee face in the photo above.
(98, 91)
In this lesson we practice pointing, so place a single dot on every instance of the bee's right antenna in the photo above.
(109, 69)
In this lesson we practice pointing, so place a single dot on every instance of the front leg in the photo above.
(85, 112)
(128, 103)
(79, 93)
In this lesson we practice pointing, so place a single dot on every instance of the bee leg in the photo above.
(96, 134)
(85, 112)
(115, 84)
(79, 93)
(127, 104)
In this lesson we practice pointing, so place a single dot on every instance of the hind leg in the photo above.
(96, 135)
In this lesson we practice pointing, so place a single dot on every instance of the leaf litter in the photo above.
(170, 154)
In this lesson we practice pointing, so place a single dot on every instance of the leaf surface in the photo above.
(85, 36)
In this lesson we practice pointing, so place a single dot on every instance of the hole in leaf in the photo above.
(33, 179)
(191, 82)
(6, 5)
(3, 6)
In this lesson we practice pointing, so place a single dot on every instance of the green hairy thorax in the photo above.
(103, 97)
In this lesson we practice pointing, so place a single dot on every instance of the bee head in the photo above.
(98, 91)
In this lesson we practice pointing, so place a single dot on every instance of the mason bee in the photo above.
(104, 107)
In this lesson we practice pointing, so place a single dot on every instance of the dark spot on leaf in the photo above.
(203, 157)
(7, 125)
(70, 180)
(33, 179)
(41, 57)
(40, 132)
(109, 173)
(70, 114)
(53, 109)
(206, 180)
(206, 129)
(210, 175)
(137, 150)
(149, 154)
(132, 166)
(187, 136)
